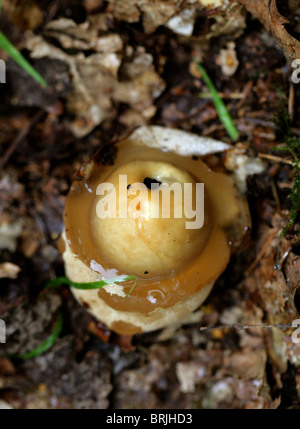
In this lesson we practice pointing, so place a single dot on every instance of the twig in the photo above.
(246, 93)
(241, 326)
(261, 253)
(19, 138)
(276, 158)
(276, 196)
(291, 104)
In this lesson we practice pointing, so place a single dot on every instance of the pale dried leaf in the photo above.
(9, 270)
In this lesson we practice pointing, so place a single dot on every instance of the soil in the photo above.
(110, 70)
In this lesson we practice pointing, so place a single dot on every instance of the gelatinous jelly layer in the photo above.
(170, 261)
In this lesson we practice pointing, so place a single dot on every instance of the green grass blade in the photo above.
(132, 288)
(46, 345)
(92, 285)
(220, 106)
(9, 48)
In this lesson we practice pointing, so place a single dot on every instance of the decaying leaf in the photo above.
(9, 270)
(83, 36)
(105, 70)
(9, 234)
(96, 86)
(180, 16)
(267, 12)
(26, 15)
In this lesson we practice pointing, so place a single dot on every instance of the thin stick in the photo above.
(19, 138)
(276, 158)
(291, 104)
(261, 253)
(234, 96)
(241, 326)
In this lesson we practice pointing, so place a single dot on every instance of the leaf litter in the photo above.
(108, 71)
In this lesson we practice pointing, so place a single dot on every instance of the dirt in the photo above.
(110, 68)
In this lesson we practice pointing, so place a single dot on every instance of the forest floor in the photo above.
(142, 75)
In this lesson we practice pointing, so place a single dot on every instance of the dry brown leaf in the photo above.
(267, 12)
(26, 15)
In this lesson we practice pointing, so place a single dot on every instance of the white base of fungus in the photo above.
(159, 318)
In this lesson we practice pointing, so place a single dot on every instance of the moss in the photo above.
(292, 146)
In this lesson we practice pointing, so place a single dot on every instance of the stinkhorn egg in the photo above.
(176, 259)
